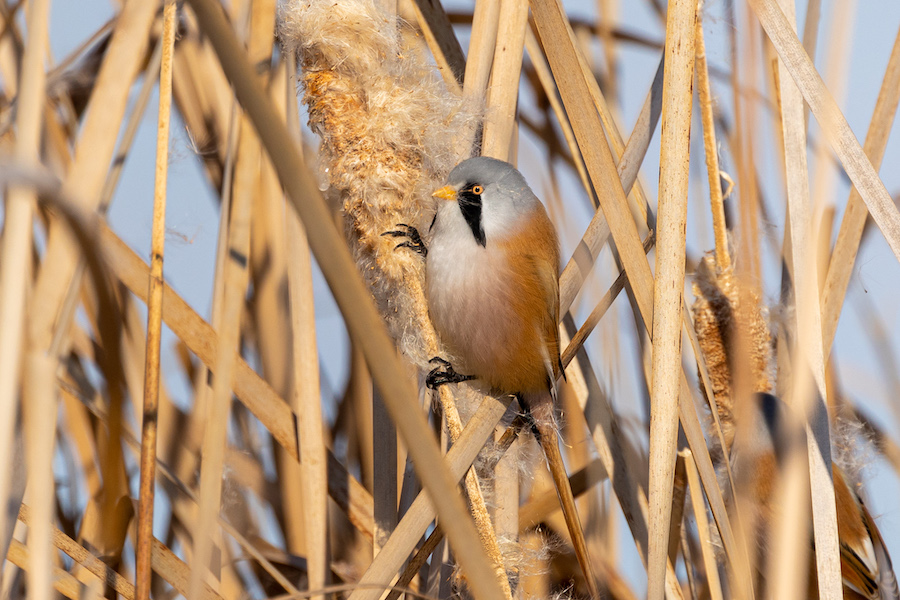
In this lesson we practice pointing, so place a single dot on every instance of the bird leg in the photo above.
(414, 241)
(543, 425)
(444, 373)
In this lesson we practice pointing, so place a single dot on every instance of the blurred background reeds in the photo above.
(212, 360)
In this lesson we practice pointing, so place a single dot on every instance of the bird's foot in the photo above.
(414, 240)
(444, 373)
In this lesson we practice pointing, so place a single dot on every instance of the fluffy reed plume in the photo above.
(388, 129)
(390, 133)
(715, 316)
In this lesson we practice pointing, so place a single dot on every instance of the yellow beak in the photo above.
(447, 193)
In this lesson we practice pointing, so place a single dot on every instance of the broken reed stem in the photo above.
(16, 249)
(144, 543)
(667, 296)
(704, 98)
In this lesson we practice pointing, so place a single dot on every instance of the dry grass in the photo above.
(269, 482)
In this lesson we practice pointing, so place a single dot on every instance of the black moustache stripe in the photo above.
(470, 205)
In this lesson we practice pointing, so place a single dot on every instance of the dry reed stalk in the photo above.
(84, 181)
(203, 100)
(420, 514)
(178, 508)
(807, 397)
(248, 167)
(92, 155)
(598, 311)
(202, 384)
(16, 247)
(483, 40)
(831, 120)
(306, 399)
(502, 96)
(707, 550)
(63, 582)
(551, 23)
(837, 64)
(667, 298)
(506, 498)
(811, 26)
(38, 412)
(743, 143)
(544, 504)
(561, 54)
(250, 388)
(218, 410)
(597, 232)
(846, 247)
(542, 69)
(621, 465)
(607, 12)
(149, 426)
(704, 99)
(108, 335)
(384, 463)
(151, 76)
(442, 41)
(81, 556)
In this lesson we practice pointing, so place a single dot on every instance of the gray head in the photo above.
(489, 194)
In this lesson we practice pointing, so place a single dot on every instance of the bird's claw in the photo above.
(414, 241)
(443, 374)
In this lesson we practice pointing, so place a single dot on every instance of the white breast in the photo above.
(468, 287)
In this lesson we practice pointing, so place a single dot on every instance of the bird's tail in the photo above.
(541, 412)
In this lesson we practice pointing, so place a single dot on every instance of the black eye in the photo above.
(477, 189)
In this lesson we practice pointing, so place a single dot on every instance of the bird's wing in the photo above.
(865, 564)
(546, 267)
(887, 580)
(549, 285)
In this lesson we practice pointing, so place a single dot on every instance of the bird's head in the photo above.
(487, 195)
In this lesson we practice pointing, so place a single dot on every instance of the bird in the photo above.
(866, 568)
(492, 288)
